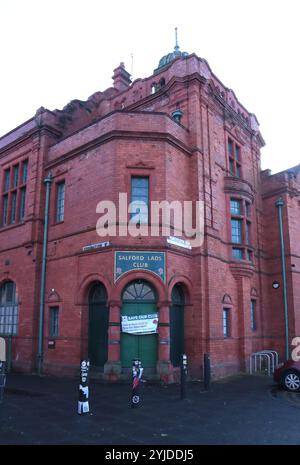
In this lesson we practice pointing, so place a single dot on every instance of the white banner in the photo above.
(140, 324)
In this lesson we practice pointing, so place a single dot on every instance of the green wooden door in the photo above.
(142, 347)
(138, 299)
(98, 326)
(177, 326)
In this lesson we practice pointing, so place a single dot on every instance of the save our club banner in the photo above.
(140, 324)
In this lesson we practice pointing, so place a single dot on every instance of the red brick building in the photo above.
(178, 135)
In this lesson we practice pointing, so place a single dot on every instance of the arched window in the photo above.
(8, 293)
(8, 309)
(153, 87)
(139, 291)
(162, 82)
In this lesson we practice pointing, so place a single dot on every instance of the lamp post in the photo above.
(280, 204)
(48, 182)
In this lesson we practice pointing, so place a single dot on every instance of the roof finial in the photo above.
(176, 41)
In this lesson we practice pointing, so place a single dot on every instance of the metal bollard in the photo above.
(183, 375)
(137, 372)
(206, 374)
(83, 399)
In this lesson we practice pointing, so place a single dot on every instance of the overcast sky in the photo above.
(54, 51)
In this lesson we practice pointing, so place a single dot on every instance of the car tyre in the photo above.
(291, 380)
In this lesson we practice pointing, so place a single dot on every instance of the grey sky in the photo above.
(59, 50)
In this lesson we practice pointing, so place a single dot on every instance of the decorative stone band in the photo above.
(237, 186)
(242, 269)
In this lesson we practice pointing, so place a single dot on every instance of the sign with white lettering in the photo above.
(98, 245)
(140, 324)
(179, 242)
(140, 260)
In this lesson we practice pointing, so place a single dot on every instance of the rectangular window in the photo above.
(226, 322)
(60, 201)
(248, 233)
(235, 207)
(139, 199)
(24, 171)
(250, 255)
(13, 207)
(241, 229)
(4, 210)
(14, 193)
(248, 209)
(22, 204)
(54, 321)
(236, 231)
(253, 315)
(234, 154)
(6, 180)
(237, 253)
(16, 176)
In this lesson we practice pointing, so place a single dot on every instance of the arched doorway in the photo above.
(139, 300)
(98, 325)
(177, 325)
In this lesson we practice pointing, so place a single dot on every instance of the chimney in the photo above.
(121, 78)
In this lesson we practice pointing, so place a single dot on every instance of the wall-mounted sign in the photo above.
(98, 245)
(140, 324)
(179, 242)
(139, 260)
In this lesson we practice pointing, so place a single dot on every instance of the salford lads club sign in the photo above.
(146, 261)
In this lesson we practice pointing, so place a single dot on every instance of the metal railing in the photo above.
(264, 356)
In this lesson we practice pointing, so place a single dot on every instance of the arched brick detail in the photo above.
(84, 287)
(156, 282)
(254, 292)
(186, 285)
(227, 300)
(7, 279)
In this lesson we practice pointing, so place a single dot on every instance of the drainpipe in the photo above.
(279, 204)
(48, 182)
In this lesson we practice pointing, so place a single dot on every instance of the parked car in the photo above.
(287, 374)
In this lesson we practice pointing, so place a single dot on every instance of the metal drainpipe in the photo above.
(48, 182)
(279, 204)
